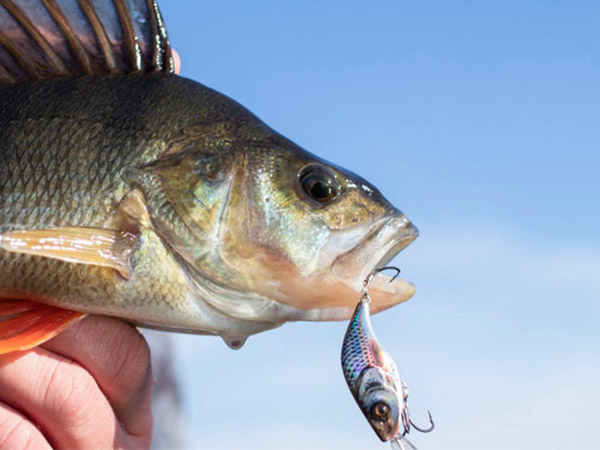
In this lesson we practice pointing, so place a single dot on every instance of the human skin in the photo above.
(89, 387)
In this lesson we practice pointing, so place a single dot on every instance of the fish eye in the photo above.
(319, 184)
(380, 411)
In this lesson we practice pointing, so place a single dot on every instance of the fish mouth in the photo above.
(384, 242)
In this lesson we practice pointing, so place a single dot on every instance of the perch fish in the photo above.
(129, 191)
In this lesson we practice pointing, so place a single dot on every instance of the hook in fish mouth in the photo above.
(369, 279)
(332, 297)
(376, 250)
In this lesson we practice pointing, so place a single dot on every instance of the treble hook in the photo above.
(428, 430)
(367, 282)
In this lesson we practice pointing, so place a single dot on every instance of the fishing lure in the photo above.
(372, 376)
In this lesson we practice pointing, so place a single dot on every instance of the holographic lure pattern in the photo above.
(360, 349)
(372, 376)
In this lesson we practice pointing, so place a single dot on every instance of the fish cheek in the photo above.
(185, 193)
(250, 243)
(268, 235)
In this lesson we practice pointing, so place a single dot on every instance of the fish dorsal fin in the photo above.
(56, 38)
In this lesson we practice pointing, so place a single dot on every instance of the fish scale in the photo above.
(129, 191)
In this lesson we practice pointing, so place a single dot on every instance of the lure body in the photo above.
(372, 376)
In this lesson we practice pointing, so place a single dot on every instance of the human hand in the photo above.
(176, 61)
(89, 387)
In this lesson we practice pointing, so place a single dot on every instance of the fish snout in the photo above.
(392, 235)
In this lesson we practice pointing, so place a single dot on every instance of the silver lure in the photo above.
(372, 376)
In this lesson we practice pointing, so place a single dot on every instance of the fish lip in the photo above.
(380, 246)
(396, 246)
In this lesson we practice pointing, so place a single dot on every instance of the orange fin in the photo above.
(25, 324)
(95, 246)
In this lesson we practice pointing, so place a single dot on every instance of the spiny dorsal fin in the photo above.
(55, 38)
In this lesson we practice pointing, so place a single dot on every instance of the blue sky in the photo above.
(480, 121)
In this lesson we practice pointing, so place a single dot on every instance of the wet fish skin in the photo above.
(66, 146)
(229, 244)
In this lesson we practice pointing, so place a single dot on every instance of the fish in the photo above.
(129, 191)
(373, 378)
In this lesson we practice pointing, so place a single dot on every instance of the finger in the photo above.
(176, 60)
(18, 432)
(119, 358)
(61, 397)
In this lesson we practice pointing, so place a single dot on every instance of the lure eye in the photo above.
(380, 411)
(319, 184)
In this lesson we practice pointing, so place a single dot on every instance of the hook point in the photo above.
(425, 430)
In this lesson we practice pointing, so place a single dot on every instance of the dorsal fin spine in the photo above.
(133, 47)
(74, 42)
(22, 18)
(56, 38)
(6, 77)
(25, 64)
(162, 44)
(157, 58)
(100, 32)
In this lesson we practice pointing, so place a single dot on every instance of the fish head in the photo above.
(257, 217)
(306, 232)
(378, 401)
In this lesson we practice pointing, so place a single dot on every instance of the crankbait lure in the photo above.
(372, 376)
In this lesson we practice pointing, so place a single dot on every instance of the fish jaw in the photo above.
(378, 247)
(294, 296)
(385, 242)
(332, 295)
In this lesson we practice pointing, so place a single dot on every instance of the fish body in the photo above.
(129, 191)
(66, 151)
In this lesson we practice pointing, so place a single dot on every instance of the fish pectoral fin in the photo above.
(94, 246)
(25, 324)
